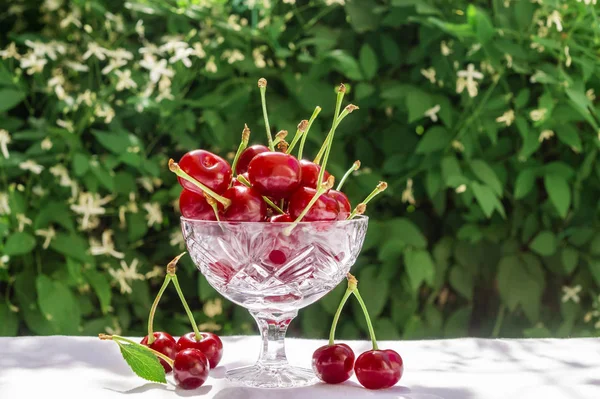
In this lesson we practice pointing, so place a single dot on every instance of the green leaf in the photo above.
(559, 192)
(435, 139)
(457, 324)
(481, 23)
(524, 183)
(487, 200)
(368, 61)
(486, 175)
(9, 324)
(311, 320)
(570, 136)
(101, 286)
(523, 12)
(137, 227)
(569, 257)
(594, 267)
(19, 243)
(58, 305)
(143, 362)
(331, 301)
(407, 232)
(419, 267)
(103, 176)
(417, 102)
(595, 245)
(544, 243)
(521, 282)
(462, 281)
(54, 212)
(345, 64)
(9, 98)
(386, 329)
(362, 15)
(374, 288)
(81, 164)
(71, 245)
(113, 141)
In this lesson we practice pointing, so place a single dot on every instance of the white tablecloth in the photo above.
(85, 368)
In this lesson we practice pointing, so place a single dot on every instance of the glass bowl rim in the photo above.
(334, 222)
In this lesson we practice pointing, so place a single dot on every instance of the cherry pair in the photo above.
(335, 363)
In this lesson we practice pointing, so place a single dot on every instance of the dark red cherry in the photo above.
(378, 369)
(343, 203)
(194, 206)
(210, 345)
(281, 218)
(246, 205)
(275, 174)
(190, 368)
(206, 167)
(248, 155)
(333, 364)
(163, 343)
(310, 173)
(326, 208)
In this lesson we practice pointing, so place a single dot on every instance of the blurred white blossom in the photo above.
(88, 205)
(125, 81)
(407, 194)
(154, 215)
(432, 113)
(554, 19)
(31, 166)
(23, 221)
(5, 140)
(95, 50)
(46, 144)
(538, 114)
(156, 68)
(429, 74)
(49, 234)
(67, 125)
(545, 135)
(5, 207)
(468, 79)
(507, 118)
(32, 63)
(106, 247)
(571, 294)
(210, 65)
(10, 52)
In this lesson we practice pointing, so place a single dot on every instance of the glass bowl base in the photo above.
(276, 376)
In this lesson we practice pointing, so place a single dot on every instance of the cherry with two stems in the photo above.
(248, 155)
(209, 169)
(275, 174)
(195, 206)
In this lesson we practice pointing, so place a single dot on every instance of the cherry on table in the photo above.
(333, 364)
(246, 205)
(343, 203)
(325, 208)
(378, 369)
(163, 343)
(275, 174)
(206, 167)
(310, 173)
(248, 155)
(194, 206)
(210, 344)
(190, 368)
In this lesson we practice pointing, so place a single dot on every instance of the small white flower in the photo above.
(10, 52)
(554, 18)
(210, 65)
(87, 98)
(88, 205)
(509, 60)
(150, 48)
(569, 60)
(125, 81)
(538, 114)
(545, 135)
(116, 20)
(183, 55)
(213, 308)
(112, 65)
(156, 271)
(31, 166)
(23, 221)
(38, 190)
(507, 118)
(590, 94)
(49, 234)
(67, 125)
(4, 141)
(458, 146)
(49, 50)
(461, 189)
(445, 49)
(199, 50)
(588, 2)
(571, 294)
(467, 79)
(73, 18)
(4, 259)
(172, 43)
(474, 48)
(104, 111)
(259, 58)
(32, 63)
(154, 213)
(4, 206)
(107, 247)
(125, 274)
(60, 171)
(432, 113)
(120, 54)
(46, 144)
(139, 28)
(176, 239)
(429, 74)
(407, 194)
(332, 2)
(157, 69)
(233, 56)
(95, 50)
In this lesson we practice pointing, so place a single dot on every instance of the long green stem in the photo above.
(262, 85)
(118, 339)
(380, 187)
(187, 308)
(154, 307)
(241, 148)
(175, 168)
(336, 114)
(299, 132)
(353, 168)
(245, 182)
(310, 122)
(337, 314)
(366, 313)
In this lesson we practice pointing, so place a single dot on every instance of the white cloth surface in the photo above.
(86, 368)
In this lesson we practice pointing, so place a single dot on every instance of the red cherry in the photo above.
(275, 174)
(194, 206)
(210, 345)
(190, 368)
(326, 208)
(333, 364)
(248, 155)
(163, 343)
(343, 203)
(282, 218)
(310, 173)
(206, 167)
(377, 369)
(246, 205)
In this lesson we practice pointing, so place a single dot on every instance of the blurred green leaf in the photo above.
(435, 139)
(9, 98)
(368, 61)
(19, 243)
(544, 243)
(419, 267)
(559, 192)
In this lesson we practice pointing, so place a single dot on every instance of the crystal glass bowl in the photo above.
(273, 272)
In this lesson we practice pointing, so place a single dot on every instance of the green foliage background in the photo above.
(490, 227)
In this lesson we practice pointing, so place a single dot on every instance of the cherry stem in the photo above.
(262, 85)
(349, 290)
(353, 168)
(241, 148)
(118, 339)
(187, 308)
(336, 114)
(310, 122)
(322, 189)
(367, 318)
(213, 204)
(297, 136)
(154, 307)
(380, 187)
(329, 141)
(175, 168)
(245, 182)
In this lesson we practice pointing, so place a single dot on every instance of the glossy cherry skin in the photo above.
(190, 368)
(194, 206)
(281, 218)
(378, 369)
(343, 203)
(163, 343)
(246, 205)
(248, 155)
(333, 364)
(310, 173)
(326, 208)
(210, 345)
(209, 169)
(275, 174)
